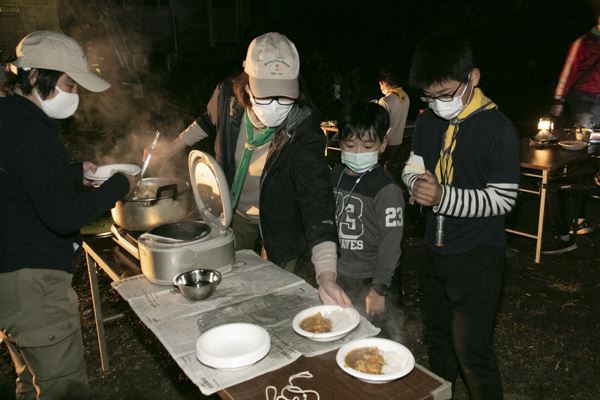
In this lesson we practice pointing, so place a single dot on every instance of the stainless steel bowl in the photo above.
(197, 284)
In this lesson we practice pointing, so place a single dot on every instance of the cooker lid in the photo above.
(180, 231)
(210, 187)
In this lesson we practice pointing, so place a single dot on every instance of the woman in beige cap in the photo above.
(271, 148)
(43, 206)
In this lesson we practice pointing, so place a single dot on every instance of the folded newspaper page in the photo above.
(255, 291)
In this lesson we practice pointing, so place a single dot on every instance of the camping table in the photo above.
(330, 131)
(543, 164)
(103, 253)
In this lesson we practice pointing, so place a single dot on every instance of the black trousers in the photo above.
(567, 199)
(460, 297)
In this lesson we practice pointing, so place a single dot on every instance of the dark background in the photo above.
(520, 45)
(178, 50)
(164, 57)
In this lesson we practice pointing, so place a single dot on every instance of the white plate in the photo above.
(234, 345)
(572, 144)
(343, 320)
(106, 171)
(399, 361)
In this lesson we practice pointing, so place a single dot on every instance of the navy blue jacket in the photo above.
(42, 201)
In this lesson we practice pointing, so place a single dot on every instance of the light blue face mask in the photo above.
(360, 162)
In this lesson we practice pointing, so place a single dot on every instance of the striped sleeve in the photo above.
(496, 199)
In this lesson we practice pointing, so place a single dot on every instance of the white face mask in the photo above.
(360, 162)
(448, 109)
(61, 106)
(271, 115)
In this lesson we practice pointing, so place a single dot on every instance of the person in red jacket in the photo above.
(579, 87)
(579, 82)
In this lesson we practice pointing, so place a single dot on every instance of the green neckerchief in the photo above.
(595, 31)
(252, 142)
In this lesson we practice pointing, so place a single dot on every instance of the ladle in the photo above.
(148, 157)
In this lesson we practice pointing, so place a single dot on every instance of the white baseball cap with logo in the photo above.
(273, 65)
(59, 52)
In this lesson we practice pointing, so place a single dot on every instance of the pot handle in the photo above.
(163, 189)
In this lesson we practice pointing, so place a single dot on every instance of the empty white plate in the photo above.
(233, 345)
(343, 320)
(106, 171)
(572, 144)
(398, 360)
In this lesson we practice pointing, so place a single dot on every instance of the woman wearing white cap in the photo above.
(42, 208)
(271, 148)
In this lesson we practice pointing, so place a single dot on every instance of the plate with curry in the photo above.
(325, 323)
(375, 360)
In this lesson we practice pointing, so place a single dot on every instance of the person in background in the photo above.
(566, 196)
(271, 148)
(579, 81)
(396, 102)
(43, 207)
(464, 166)
(579, 87)
(369, 217)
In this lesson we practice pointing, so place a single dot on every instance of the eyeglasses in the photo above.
(263, 101)
(444, 97)
(284, 101)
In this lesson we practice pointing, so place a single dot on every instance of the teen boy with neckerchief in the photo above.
(464, 165)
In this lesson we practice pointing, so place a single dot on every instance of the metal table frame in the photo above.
(93, 261)
(543, 164)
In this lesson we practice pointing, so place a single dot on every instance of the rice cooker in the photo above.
(170, 249)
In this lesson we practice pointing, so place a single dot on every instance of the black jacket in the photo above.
(487, 151)
(42, 200)
(296, 199)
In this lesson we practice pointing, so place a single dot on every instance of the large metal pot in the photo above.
(156, 201)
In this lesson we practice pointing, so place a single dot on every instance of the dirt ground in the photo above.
(546, 334)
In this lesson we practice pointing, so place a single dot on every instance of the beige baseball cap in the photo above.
(273, 65)
(59, 52)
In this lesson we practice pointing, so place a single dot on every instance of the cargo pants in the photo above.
(39, 322)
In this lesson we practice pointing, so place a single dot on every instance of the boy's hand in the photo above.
(374, 304)
(426, 190)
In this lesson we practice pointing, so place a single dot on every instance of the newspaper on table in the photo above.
(255, 291)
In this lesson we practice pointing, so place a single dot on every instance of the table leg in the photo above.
(538, 245)
(326, 140)
(91, 265)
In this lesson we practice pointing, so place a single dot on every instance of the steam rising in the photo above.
(115, 126)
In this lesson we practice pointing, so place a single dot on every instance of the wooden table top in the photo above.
(550, 158)
(332, 383)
